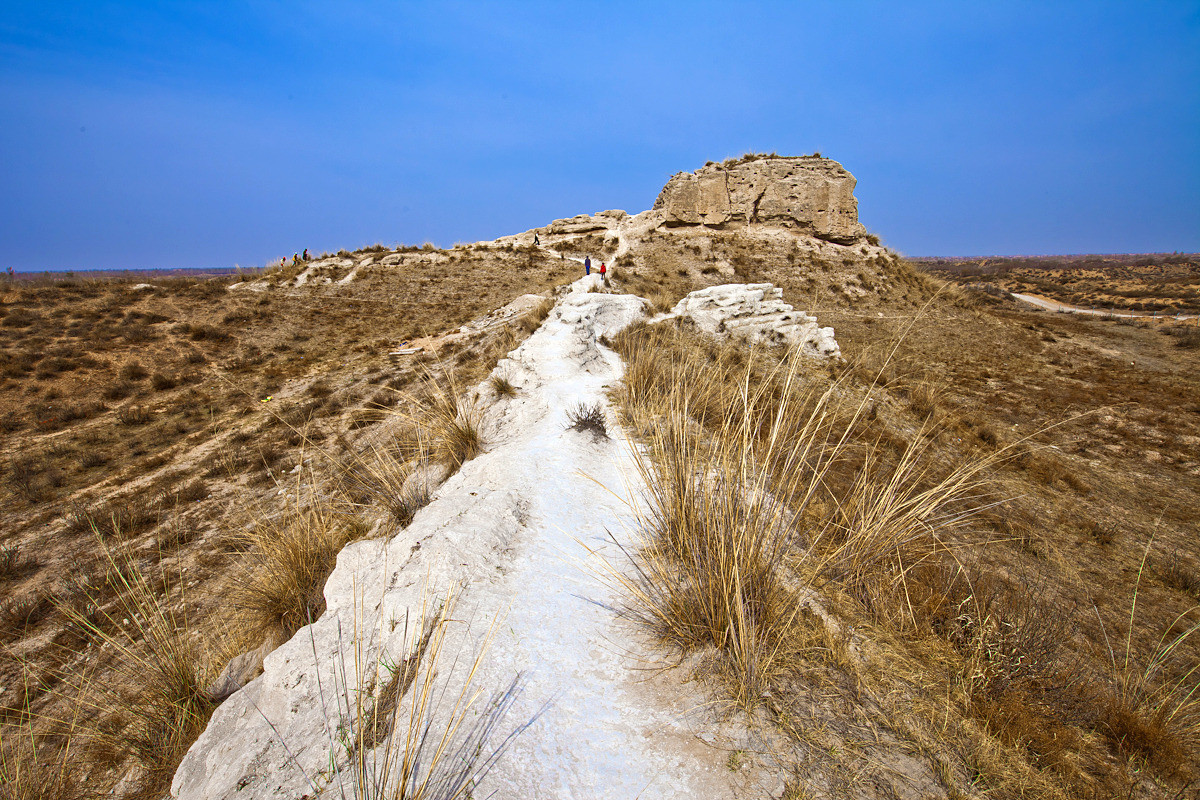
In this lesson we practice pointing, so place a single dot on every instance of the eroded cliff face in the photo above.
(812, 194)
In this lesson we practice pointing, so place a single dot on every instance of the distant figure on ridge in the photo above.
(305, 256)
(295, 259)
(587, 265)
(536, 242)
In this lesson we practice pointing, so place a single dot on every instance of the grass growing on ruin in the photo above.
(744, 463)
(790, 503)
(419, 728)
(279, 584)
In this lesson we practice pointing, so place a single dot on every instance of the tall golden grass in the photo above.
(761, 476)
(1154, 709)
(776, 483)
(154, 650)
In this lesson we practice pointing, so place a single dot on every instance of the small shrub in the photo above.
(13, 564)
(122, 517)
(134, 415)
(502, 386)
(1100, 533)
(92, 459)
(588, 418)
(20, 318)
(923, 400)
(206, 332)
(138, 333)
(118, 391)
(1175, 572)
(133, 371)
(190, 493)
(161, 381)
(1186, 337)
(19, 614)
(25, 477)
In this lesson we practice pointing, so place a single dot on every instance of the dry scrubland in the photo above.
(1162, 284)
(139, 460)
(962, 563)
(999, 503)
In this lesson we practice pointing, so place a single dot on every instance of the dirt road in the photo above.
(1054, 305)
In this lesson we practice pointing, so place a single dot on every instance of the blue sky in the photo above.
(212, 133)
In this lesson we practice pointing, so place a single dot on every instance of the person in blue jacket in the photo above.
(587, 265)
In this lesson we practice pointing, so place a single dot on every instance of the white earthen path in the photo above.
(1054, 305)
(516, 528)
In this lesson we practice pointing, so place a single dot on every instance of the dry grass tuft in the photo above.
(449, 423)
(386, 476)
(155, 652)
(278, 587)
(1175, 571)
(1153, 712)
(759, 474)
(502, 386)
(588, 418)
(30, 772)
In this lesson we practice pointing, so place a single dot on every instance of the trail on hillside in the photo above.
(527, 530)
(1054, 305)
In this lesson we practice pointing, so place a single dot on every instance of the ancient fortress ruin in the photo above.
(811, 194)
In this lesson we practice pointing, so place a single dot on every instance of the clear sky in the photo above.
(201, 134)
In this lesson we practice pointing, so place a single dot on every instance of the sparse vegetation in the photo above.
(588, 418)
(1001, 653)
(767, 476)
(502, 386)
(164, 449)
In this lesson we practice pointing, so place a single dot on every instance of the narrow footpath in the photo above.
(1054, 305)
(525, 529)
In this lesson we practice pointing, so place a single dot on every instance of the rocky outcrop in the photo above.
(755, 311)
(812, 194)
(585, 223)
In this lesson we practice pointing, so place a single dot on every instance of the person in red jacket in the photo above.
(603, 269)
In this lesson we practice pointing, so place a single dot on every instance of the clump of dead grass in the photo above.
(450, 423)
(390, 476)
(32, 770)
(155, 652)
(1153, 710)
(278, 587)
(589, 418)
(758, 475)
(502, 386)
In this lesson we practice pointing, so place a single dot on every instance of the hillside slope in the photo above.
(988, 646)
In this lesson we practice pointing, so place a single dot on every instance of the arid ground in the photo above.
(1027, 635)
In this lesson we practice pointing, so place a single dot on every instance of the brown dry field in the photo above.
(1163, 284)
(1103, 418)
(140, 413)
(136, 416)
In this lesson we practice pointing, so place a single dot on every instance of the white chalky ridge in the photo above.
(757, 312)
(517, 527)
